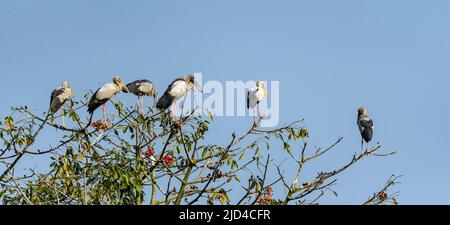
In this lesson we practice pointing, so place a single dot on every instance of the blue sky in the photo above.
(330, 58)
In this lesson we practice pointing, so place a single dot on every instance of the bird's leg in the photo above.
(260, 115)
(137, 131)
(137, 105)
(173, 111)
(63, 115)
(254, 116)
(142, 104)
(362, 145)
(104, 113)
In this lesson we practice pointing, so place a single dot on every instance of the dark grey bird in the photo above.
(104, 94)
(58, 98)
(177, 89)
(366, 128)
(142, 88)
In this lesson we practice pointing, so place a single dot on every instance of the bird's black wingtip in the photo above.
(164, 102)
(92, 108)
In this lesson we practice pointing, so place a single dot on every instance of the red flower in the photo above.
(96, 124)
(382, 196)
(99, 125)
(168, 159)
(150, 151)
(268, 196)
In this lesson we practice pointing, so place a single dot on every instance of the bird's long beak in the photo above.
(125, 88)
(198, 87)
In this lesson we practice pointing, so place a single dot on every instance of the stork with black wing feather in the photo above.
(58, 98)
(366, 128)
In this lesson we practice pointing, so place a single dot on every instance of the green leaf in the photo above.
(287, 147)
(242, 156)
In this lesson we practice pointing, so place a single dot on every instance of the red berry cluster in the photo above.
(268, 196)
(99, 125)
(168, 159)
(382, 196)
(150, 151)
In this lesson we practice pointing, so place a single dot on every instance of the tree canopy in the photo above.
(150, 159)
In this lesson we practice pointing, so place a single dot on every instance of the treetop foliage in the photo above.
(150, 159)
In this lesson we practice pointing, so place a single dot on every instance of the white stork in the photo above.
(177, 89)
(255, 96)
(58, 98)
(105, 93)
(366, 128)
(142, 88)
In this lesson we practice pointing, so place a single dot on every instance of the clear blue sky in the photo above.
(330, 58)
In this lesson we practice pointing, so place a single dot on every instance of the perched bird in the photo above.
(177, 89)
(105, 93)
(365, 125)
(142, 88)
(59, 97)
(255, 96)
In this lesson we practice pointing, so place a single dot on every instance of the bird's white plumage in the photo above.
(255, 95)
(142, 88)
(145, 87)
(107, 91)
(179, 89)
